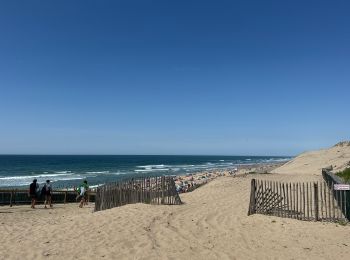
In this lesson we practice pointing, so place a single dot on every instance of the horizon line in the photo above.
(28, 154)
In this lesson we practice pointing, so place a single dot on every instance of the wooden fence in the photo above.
(303, 201)
(153, 190)
(342, 197)
(20, 196)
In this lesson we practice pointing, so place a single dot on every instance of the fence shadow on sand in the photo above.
(311, 201)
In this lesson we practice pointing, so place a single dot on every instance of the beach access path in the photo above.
(211, 224)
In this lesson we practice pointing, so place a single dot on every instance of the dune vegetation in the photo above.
(345, 174)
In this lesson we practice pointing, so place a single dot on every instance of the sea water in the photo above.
(70, 170)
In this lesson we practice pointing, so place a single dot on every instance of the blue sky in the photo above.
(173, 77)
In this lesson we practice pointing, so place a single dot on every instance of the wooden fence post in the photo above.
(333, 206)
(163, 187)
(14, 196)
(316, 201)
(65, 197)
(252, 205)
(11, 198)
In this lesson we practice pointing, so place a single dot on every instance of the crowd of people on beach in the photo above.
(36, 193)
(192, 181)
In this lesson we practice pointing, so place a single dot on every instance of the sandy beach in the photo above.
(211, 224)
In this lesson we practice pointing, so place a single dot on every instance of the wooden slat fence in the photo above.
(311, 201)
(20, 196)
(153, 190)
(342, 197)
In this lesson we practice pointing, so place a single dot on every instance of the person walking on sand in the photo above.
(82, 191)
(47, 190)
(33, 192)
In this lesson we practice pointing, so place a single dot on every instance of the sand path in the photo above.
(212, 224)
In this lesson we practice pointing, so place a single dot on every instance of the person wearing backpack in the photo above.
(46, 191)
(33, 192)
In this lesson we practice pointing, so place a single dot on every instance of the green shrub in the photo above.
(343, 222)
(345, 174)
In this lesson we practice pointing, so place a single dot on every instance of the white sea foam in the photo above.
(63, 172)
(70, 178)
(152, 170)
(118, 173)
(33, 176)
(142, 170)
(282, 159)
(101, 172)
(277, 160)
(181, 165)
(9, 181)
(156, 166)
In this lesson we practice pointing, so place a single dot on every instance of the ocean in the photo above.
(70, 170)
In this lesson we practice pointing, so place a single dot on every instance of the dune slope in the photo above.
(311, 163)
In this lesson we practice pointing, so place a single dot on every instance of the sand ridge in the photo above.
(311, 163)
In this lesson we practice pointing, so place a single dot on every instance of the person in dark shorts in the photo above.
(33, 192)
(47, 189)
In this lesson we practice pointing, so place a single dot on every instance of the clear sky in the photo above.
(173, 77)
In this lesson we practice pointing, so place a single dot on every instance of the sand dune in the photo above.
(211, 224)
(311, 163)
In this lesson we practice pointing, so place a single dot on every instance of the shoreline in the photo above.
(69, 171)
(189, 182)
(183, 183)
(235, 167)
